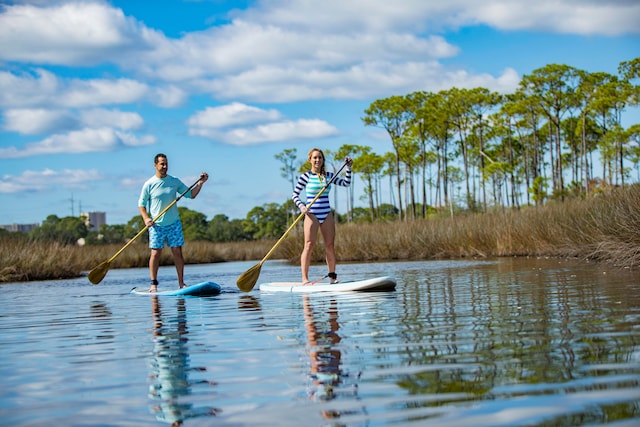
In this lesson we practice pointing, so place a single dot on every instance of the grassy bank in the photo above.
(25, 261)
(604, 228)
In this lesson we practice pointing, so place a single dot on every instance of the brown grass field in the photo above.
(604, 228)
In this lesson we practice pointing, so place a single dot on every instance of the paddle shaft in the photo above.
(159, 215)
(297, 220)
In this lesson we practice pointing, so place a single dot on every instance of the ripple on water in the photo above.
(497, 343)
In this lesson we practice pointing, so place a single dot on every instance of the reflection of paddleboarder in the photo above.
(327, 372)
(248, 303)
(326, 358)
(170, 366)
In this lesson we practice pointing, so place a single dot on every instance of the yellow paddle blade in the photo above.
(97, 274)
(248, 279)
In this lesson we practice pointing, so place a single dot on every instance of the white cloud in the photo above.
(276, 51)
(132, 140)
(100, 117)
(270, 132)
(97, 92)
(583, 17)
(81, 141)
(367, 80)
(232, 114)
(241, 124)
(167, 96)
(42, 91)
(279, 132)
(45, 89)
(48, 179)
(37, 121)
(73, 33)
(28, 90)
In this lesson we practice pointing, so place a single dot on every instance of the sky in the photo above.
(90, 91)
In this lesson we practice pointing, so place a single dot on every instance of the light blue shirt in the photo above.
(158, 193)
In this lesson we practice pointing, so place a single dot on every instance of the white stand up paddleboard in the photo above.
(385, 283)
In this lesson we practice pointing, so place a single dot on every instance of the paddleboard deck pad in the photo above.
(376, 284)
(204, 289)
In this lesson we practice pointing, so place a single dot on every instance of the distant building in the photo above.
(22, 228)
(93, 220)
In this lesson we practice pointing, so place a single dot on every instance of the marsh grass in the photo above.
(23, 260)
(604, 228)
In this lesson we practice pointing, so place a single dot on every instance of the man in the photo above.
(157, 193)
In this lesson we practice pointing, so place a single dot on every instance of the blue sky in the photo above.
(90, 91)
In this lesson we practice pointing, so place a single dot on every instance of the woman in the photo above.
(318, 215)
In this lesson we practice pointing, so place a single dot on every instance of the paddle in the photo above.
(248, 279)
(97, 274)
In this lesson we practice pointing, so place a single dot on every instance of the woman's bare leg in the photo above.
(328, 230)
(311, 226)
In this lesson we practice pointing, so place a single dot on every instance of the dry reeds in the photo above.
(604, 228)
(25, 260)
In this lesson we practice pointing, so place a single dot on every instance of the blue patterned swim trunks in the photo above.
(172, 234)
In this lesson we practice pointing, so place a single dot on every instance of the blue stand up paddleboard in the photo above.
(204, 289)
(376, 284)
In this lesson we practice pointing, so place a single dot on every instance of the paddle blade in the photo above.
(248, 279)
(97, 274)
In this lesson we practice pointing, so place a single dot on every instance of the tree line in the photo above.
(261, 222)
(473, 149)
(507, 150)
(462, 149)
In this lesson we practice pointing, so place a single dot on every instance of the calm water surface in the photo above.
(517, 342)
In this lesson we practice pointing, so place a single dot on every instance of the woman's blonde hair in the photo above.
(322, 170)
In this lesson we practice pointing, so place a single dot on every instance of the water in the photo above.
(517, 342)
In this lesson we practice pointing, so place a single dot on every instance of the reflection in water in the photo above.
(496, 334)
(323, 341)
(170, 368)
(248, 303)
(100, 311)
(504, 343)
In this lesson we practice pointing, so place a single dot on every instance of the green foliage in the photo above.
(67, 230)
(134, 226)
(194, 224)
(289, 159)
(221, 229)
(266, 221)
(387, 212)
(538, 190)
(360, 215)
(108, 234)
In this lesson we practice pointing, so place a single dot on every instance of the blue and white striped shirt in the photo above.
(314, 184)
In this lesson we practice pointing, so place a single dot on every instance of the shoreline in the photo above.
(603, 229)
